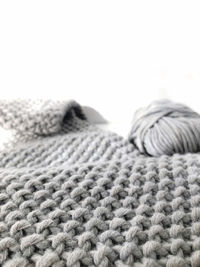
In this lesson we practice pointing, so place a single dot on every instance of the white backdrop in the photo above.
(112, 55)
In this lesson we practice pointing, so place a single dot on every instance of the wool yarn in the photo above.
(165, 128)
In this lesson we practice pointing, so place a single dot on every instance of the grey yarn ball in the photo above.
(165, 128)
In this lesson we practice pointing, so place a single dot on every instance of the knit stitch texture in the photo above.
(74, 195)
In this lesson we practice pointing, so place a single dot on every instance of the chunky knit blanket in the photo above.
(74, 195)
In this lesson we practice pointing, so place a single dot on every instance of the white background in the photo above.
(112, 55)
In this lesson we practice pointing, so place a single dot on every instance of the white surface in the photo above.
(114, 56)
(122, 129)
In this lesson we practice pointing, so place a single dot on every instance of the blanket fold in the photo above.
(41, 117)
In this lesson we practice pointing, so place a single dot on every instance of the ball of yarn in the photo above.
(165, 128)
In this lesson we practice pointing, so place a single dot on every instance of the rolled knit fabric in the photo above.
(40, 117)
(80, 196)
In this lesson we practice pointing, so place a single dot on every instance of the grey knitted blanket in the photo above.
(74, 195)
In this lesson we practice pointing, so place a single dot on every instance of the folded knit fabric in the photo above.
(41, 117)
(74, 195)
